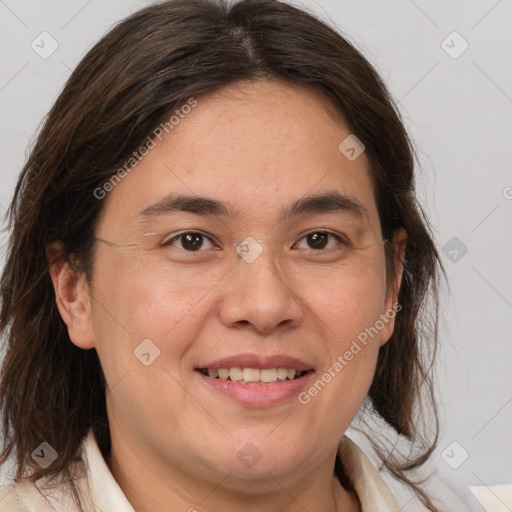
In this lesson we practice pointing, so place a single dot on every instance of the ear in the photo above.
(391, 306)
(72, 296)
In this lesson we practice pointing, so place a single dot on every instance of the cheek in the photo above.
(143, 335)
(347, 308)
(127, 311)
(126, 302)
(348, 314)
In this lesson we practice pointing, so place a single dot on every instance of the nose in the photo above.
(258, 295)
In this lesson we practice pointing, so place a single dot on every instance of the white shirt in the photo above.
(101, 492)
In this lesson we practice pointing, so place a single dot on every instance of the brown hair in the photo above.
(126, 85)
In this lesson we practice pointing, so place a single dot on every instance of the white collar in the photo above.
(372, 491)
(105, 491)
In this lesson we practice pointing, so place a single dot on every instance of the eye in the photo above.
(318, 240)
(190, 242)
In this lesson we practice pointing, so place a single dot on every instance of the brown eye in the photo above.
(319, 240)
(191, 242)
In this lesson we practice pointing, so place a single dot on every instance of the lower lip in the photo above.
(257, 395)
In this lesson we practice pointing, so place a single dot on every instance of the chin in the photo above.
(260, 458)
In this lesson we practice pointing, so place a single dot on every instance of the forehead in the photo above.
(256, 146)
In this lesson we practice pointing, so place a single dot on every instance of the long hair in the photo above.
(140, 72)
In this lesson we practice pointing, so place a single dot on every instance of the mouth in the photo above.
(249, 376)
(255, 380)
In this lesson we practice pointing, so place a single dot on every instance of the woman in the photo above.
(217, 261)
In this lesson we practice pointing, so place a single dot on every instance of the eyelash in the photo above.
(170, 241)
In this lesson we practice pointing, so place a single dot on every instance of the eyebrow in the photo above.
(200, 205)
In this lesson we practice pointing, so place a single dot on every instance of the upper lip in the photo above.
(257, 361)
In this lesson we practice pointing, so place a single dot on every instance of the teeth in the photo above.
(235, 374)
(282, 373)
(252, 375)
(268, 375)
(223, 373)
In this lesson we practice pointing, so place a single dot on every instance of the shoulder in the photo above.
(22, 496)
(375, 495)
(46, 494)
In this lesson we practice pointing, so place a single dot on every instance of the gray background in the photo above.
(458, 109)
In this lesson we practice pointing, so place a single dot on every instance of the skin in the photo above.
(258, 146)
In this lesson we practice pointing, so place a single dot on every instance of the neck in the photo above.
(155, 486)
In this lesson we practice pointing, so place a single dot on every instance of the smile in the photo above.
(253, 375)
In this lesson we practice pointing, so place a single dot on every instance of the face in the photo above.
(281, 272)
